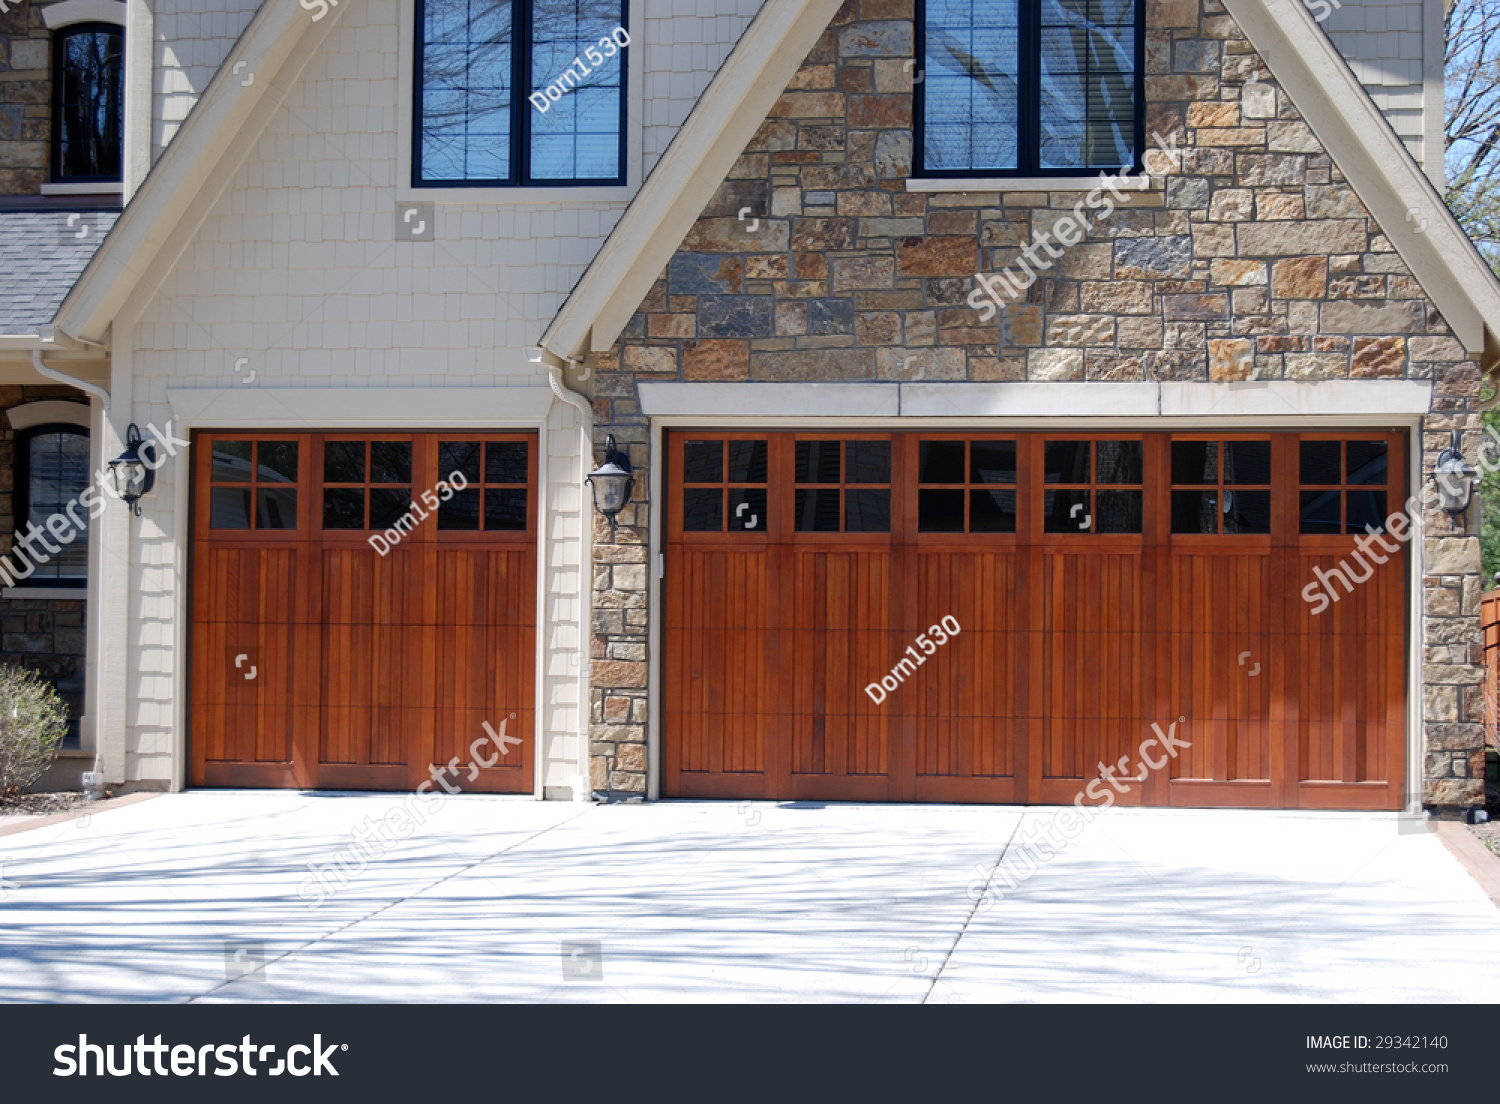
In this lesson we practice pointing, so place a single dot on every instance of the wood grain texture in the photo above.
(1072, 647)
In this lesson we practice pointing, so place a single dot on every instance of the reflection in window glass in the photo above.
(703, 461)
(992, 511)
(229, 508)
(343, 461)
(747, 509)
(1195, 462)
(1366, 462)
(971, 84)
(748, 461)
(1319, 462)
(462, 457)
(867, 511)
(276, 461)
(992, 461)
(1319, 512)
(1118, 511)
(940, 462)
(818, 461)
(1067, 461)
(386, 505)
(703, 509)
(1067, 511)
(817, 511)
(390, 461)
(505, 508)
(1119, 461)
(89, 103)
(461, 512)
(867, 462)
(1247, 462)
(275, 507)
(231, 461)
(940, 510)
(57, 472)
(506, 462)
(344, 508)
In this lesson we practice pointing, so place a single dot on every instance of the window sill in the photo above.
(587, 193)
(44, 593)
(97, 188)
(1015, 183)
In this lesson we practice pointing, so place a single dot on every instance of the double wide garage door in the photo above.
(998, 617)
(364, 609)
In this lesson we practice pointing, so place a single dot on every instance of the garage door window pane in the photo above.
(992, 511)
(390, 461)
(231, 462)
(818, 461)
(748, 461)
(867, 511)
(1247, 511)
(817, 511)
(868, 462)
(1366, 508)
(387, 505)
(1320, 512)
(461, 457)
(703, 509)
(1118, 511)
(276, 508)
(343, 462)
(1067, 511)
(229, 508)
(1366, 462)
(1194, 462)
(703, 461)
(992, 461)
(462, 510)
(344, 508)
(940, 511)
(1320, 462)
(1247, 462)
(1119, 462)
(747, 509)
(1067, 462)
(505, 508)
(506, 462)
(941, 462)
(277, 462)
(1194, 511)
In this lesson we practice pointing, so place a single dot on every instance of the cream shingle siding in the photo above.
(192, 38)
(296, 268)
(1382, 40)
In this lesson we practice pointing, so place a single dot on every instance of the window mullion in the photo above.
(520, 127)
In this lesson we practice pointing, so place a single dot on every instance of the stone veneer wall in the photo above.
(25, 99)
(1256, 258)
(43, 634)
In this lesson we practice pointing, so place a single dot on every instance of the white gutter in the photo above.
(582, 790)
(72, 381)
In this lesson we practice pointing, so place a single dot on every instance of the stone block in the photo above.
(891, 39)
(1314, 366)
(1291, 138)
(1379, 358)
(1234, 273)
(650, 358)
(1116, 297)
(880, 112)
(920, 364)
(734, 316)
(1299, 278)
(1401, 316)
(1231, 360)
(1166, 258)
(809, 105)
(1212, 306)
(704, 274)
(813, 365)
(935, 256)
(1081, 329)
(1300, 239)
(716, 360)
(730, 235)
(1054, 364)
(850, 273)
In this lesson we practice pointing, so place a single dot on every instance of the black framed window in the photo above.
(52, 471)
(88, 103)
(519, 93)
(1029, 87)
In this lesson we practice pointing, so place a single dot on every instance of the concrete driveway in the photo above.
(184, 897)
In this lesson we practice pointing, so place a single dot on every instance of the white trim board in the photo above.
(360, 407)
(46, 411)
(1359, 400)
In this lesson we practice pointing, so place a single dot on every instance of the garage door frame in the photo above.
(1401, 418)
(525, 412)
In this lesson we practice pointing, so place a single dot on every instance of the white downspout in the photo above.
(582, 790)
(83, 385)
(103, 396)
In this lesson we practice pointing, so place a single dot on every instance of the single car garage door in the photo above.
(996, 616)
(364, 608)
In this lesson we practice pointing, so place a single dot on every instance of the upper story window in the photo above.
(88, 103)
(1029, 87)
(519, 92)
(53, 463)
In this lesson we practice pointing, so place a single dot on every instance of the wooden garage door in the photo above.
(1100, 583)
(364, 605)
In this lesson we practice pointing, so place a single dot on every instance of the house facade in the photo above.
(1020, 400)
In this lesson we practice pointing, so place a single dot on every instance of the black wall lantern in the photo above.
(1455, 479)
(133, 472)
(611, 482)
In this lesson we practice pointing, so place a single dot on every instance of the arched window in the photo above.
(52, 470)
(88, 103)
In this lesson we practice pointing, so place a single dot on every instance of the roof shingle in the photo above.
(41, 255)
